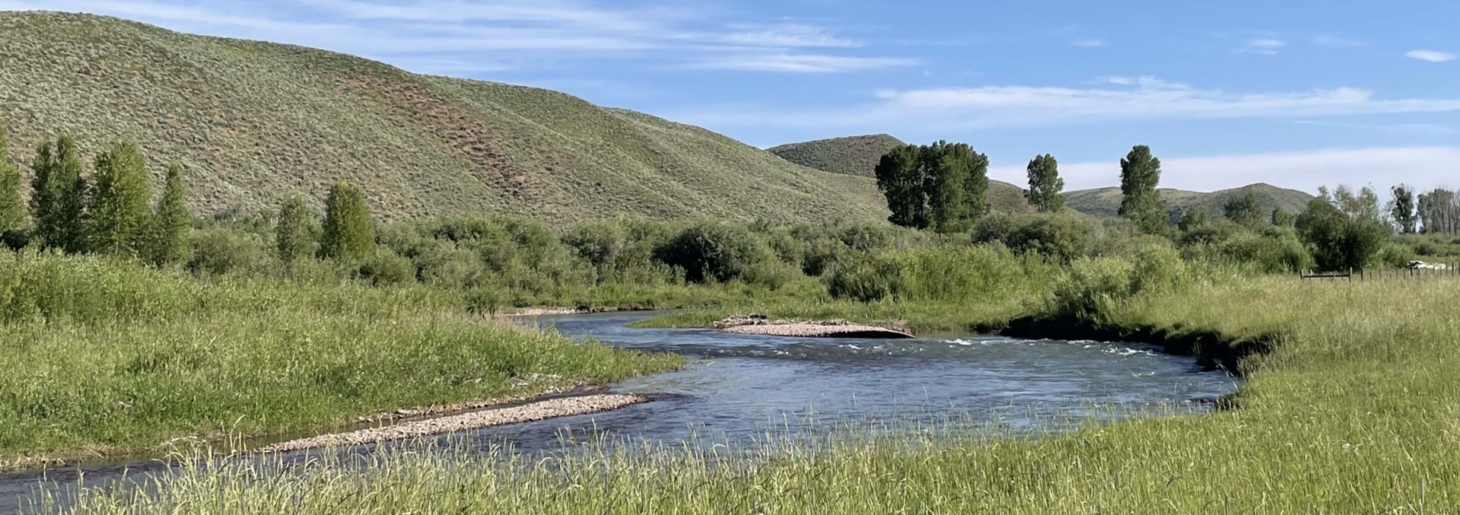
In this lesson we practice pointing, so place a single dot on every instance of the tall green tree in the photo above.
(1140, 173)
(348, 232)
(900, 177)
(955, 185)
(59, 196)
(1402, 209)
(294, 234)
(1343, 229)
(12, 209)
(1194, 217)
(1045, 184)
(1245, 210)
(119, 214)
(172, 224)
(1282, 218)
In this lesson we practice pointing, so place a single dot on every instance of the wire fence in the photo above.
(1417, 270)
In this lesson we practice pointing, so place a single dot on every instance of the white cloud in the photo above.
(448, 36)
(798, 63)
(949, 109)
(1422, 167)
(1433, 56)
(1264, 46)
(1088, 42)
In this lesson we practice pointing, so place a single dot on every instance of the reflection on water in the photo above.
(739, 386)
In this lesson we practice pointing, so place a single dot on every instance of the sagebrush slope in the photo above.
(858, 156)
(1105, 202)
(256, 122)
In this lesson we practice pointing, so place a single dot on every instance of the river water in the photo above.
(738, 387)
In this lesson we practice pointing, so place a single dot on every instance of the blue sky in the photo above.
(1300, 94)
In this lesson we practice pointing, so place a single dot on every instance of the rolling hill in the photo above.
(858, 156)
(1105, 202)
(254, 123)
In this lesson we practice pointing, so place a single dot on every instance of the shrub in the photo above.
(386, 268)
(1061, 236)
(219, 250)
(714, 252)
(870, 278)
(1090, 288)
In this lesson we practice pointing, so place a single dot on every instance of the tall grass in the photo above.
(103, 357)
(1357, 410)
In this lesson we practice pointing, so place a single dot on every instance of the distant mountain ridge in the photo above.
(1105, 202)
(254, 123)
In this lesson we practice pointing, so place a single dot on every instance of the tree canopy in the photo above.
(942, 186)
(1140, 173)
(1045, 184)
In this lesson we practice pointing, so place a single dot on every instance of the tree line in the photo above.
(109, 211)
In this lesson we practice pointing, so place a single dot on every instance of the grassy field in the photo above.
(254, 123)
(1355, 411)
(103, 358)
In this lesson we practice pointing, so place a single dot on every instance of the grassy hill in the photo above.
(858, 156)
(1106, 201)
(256, 122)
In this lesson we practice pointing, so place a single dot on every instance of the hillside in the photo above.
(256, 122)
(1106, 201)
(858, 156)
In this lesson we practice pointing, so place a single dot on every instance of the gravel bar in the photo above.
(542, 410)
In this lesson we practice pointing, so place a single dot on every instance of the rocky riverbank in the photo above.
(761, 324)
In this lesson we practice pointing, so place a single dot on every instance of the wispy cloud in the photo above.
(1433, 56)
(459, 36)
(1336, 42)
(797, 63)
(1088, 42)
(1265, 46)
(1423, 167)
(1124, 98)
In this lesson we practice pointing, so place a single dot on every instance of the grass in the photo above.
(105, 358)
(254, 123)
(1355, 411)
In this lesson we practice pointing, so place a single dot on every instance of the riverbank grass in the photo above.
(106, 358)
(1356, 409)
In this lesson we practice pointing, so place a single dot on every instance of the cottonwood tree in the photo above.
(1194, 217)
(1439, 211)
(1140, 173)
(1045, 184)
(1245, 210)
(1343, 229)
(899, 176)
(293, 235)
(12, 209)
(172, 223)
(348, 232)
(119, 212)
(59, 196)
(941, 186)
(1402, 208)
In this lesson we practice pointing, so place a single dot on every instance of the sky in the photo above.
(1300, 95)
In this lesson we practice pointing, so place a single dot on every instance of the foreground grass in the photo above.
(1356, 411)
(104, 358)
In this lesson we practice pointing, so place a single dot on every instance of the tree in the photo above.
(294, 236)
(348, 232)
(1402, 209)
(956, 185)
(119, 211)
(1245, 210)
(941, 186)
(59, 196)
(899, 176)
(1045, 184)
(12, 210)
(1140, 172)
(1282, 218)
(1194, 217)
(172, 224)
(1439, 211)
(1343, 230)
